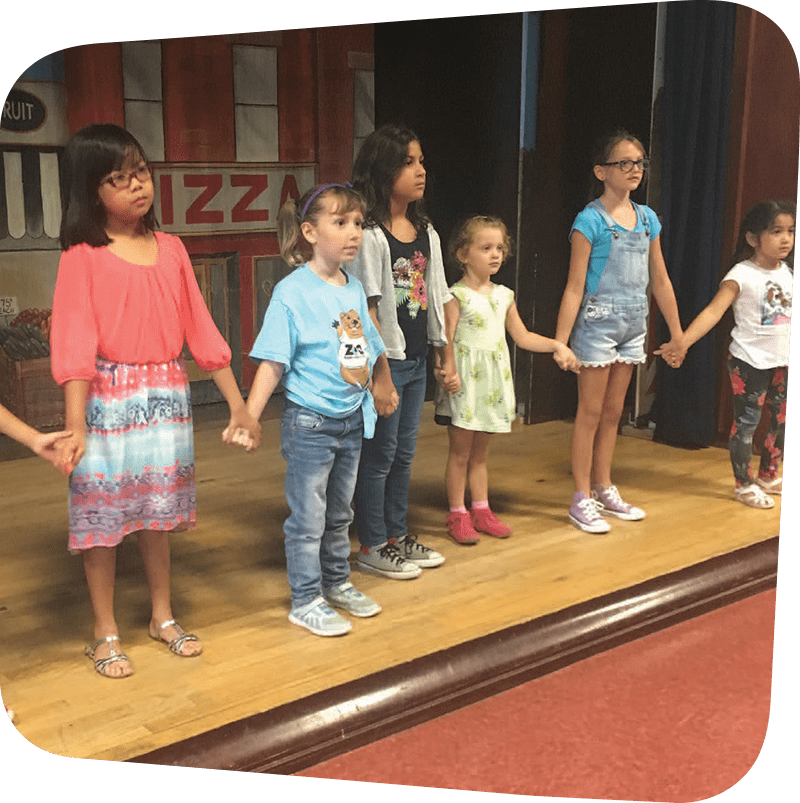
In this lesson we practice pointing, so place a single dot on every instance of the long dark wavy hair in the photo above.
(93, 152)
(756, 221)
(379, 160)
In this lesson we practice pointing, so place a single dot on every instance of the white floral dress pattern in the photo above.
(486, 400)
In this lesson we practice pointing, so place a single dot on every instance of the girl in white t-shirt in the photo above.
(759, 286)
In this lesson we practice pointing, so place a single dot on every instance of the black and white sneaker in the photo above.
(423, 556)
(387, 560)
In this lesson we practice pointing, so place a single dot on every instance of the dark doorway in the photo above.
(595, 75)
(456, 84)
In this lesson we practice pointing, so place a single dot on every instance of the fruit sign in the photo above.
(217, 199)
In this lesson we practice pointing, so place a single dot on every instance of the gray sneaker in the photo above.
(320, 619)
(423, 556)
(350, 599)
(386, 560)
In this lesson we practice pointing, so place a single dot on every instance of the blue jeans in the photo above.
(321, 456)
(381, 499)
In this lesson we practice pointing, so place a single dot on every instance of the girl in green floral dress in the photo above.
(476, 331)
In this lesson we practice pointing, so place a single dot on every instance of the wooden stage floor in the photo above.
(229, 583)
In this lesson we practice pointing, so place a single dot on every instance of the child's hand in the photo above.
(447, 376)
(566, 360)
(239, 437)
(384, 395)
(45, 445)
(70, 450)
(243, 430)
(451, 383)
(673, 353)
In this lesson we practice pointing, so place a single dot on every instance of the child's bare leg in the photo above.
(483, 519)
(457, 463)
(459, 523)
(154, 547)
(592, 384)
(606, 436)
(100, 565)
(477, 473)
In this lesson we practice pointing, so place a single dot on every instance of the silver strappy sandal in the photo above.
(176, 645)
(113, 657)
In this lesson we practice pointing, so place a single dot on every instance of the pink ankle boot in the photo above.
(485, 521)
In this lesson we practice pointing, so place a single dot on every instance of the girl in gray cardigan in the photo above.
(400, 265)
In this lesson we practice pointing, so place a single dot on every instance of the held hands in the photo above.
(384, 394)
(673, 353)
(239, 437)
(243, 430)
(67, 449)
(449, 380)
(446, 374)
(566, 360)
(46, 445)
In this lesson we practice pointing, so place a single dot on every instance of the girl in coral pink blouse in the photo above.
(126, 300)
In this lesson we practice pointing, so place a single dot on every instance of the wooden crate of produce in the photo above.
(27, 387)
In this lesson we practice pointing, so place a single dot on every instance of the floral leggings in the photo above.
(751, 386)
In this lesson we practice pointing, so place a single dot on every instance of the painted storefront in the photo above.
(234, 125)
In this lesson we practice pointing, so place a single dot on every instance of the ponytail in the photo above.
(289, 233)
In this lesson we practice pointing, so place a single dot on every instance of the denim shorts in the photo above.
(610, 330)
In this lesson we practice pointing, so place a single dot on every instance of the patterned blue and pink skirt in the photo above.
(138, 469)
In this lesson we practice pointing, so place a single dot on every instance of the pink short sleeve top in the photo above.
(107, 307)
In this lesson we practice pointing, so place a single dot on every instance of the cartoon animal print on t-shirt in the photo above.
(353, 360)
(777, 305)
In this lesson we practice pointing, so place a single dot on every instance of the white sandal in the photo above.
(772, 486)
(753, 496)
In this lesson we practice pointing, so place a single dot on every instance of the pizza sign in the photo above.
(223, 199)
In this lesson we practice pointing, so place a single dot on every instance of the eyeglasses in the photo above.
(626, 165)
(121, 181)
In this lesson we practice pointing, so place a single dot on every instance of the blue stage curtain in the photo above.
(698, 61)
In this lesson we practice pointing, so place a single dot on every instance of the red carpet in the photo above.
(678, 715)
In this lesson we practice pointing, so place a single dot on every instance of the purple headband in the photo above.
(319, 190)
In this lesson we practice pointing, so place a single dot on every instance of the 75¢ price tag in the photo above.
(8, 305)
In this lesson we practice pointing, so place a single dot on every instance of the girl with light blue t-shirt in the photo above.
(318, 340)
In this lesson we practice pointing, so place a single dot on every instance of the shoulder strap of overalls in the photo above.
(597, 205)
(642, 215)
(612, 224)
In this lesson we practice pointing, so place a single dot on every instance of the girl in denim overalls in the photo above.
(616, 250)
